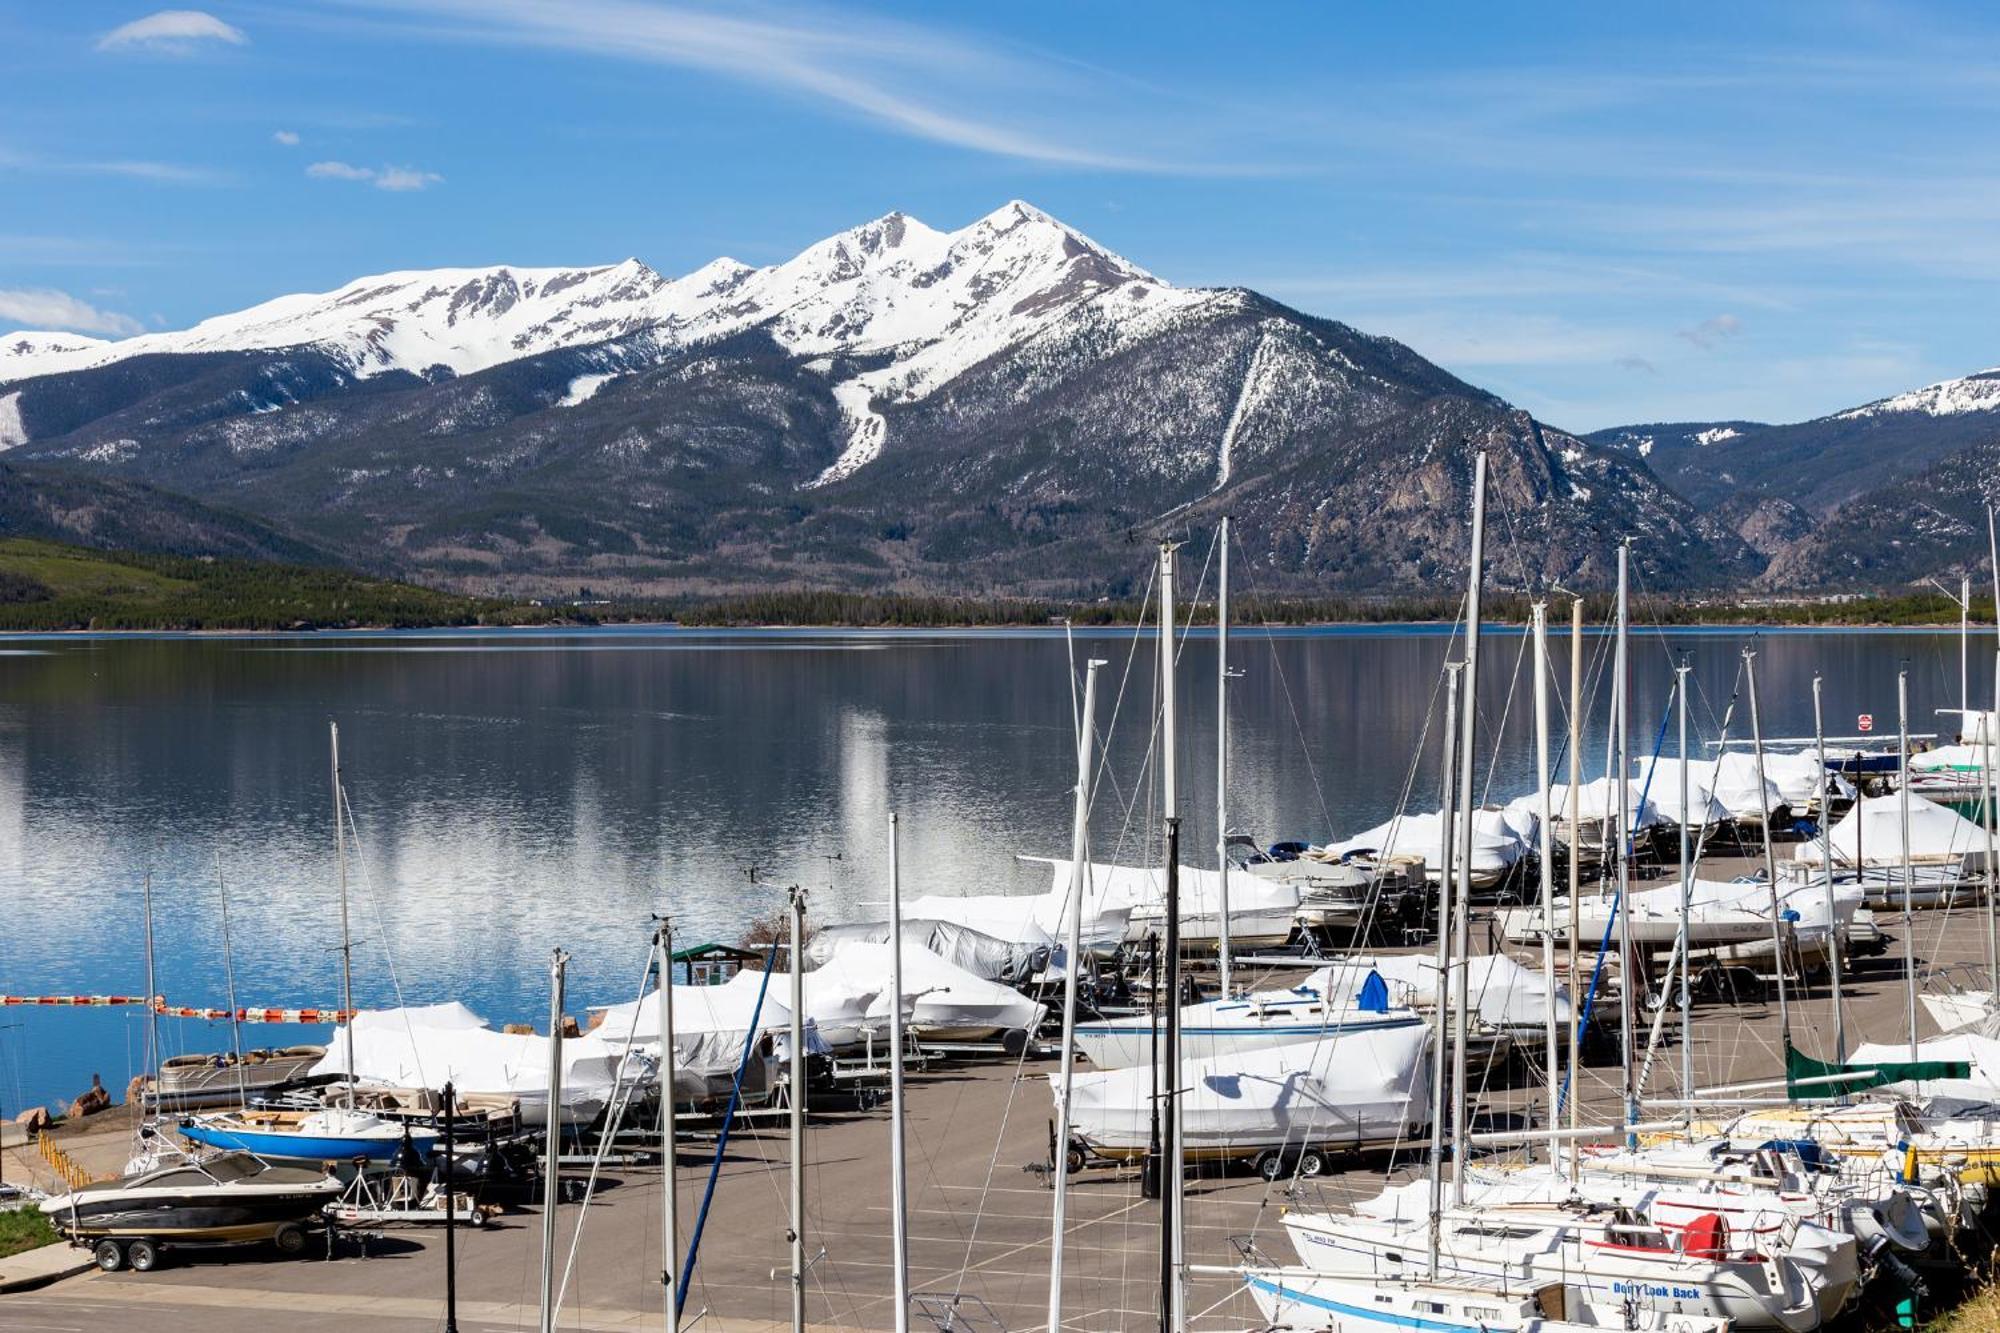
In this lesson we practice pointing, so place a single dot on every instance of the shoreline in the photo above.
(973, 629)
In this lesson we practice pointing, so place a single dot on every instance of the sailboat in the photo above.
(1608, 1253)
(329, 1132)
(1318, 1008)
(1411, 1261)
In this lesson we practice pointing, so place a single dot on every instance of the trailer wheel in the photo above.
(1312, 1162)
(109, 1254)
(143, 1256)
(1073, 1160)
(290, 1239)
(1270, 1164)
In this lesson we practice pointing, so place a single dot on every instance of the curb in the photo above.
(46, 1273)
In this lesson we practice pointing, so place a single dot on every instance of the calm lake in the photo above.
(515, 791)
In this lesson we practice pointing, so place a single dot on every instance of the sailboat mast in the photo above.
(1079, 855)
(1903, 793)
(670, 1220)
(1575, 865)
(1468, 726)
(152, 994)
(1833, 927)
(1172, 1255)
(1989, 791)
(795, 1093)
(1441, 1007)
(1441, 1011)
(552, 1144)
(1687, 885)
(1630, 969)
(899, 1175)
(1222, 757)
(346, 936)
(1551, 1054)
(1964, 647)
(229, 985)
(1770, 860)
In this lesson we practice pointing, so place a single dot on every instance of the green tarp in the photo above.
(1877, 1073)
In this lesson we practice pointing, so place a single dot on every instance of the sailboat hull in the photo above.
(1778, 1293)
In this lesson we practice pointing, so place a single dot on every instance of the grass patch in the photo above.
(25, 1229)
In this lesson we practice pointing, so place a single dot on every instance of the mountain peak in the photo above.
(888, 283)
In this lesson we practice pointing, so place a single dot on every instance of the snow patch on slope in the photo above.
(583, 388)
(866, 431)
(12, 432)
(1247, 397)
(1713, 435)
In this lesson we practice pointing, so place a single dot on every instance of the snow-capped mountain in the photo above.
(1000, 407)
(1947, 398)
(931, 303)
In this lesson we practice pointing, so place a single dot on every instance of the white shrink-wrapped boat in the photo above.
(1499, 843)
(1339, 1092)
(712, 1027)
(1949, 772)
(1732, 917)
(1033, 920)
(1871, 834)
(428, 1046)
(1261, 910)
(1717, 792)
(941, 1000)
(1012, 962)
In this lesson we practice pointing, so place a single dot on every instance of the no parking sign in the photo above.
(1866, 722)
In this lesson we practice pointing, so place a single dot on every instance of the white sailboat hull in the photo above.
(1127, 1043)
(1794, 1293)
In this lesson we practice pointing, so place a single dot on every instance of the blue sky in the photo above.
(1605, 213)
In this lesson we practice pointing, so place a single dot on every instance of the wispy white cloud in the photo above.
(47, 308)
(920, 81)
(289, 138)
(339, 171)
(171, 32)
(164, 173)
(1712, 331)
(399, 179)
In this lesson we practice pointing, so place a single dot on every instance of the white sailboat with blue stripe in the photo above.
(1254, 1022)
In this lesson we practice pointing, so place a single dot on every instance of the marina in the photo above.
(979, 1221)
(1515, 1101)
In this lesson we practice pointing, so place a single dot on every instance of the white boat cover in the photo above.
(1804, 903)
(938, 995)
(1980, 1049)
(1011, 962)
(1799, 776)
(711, 1026)
(1969, 760)
(1597, 801)
(1717, 790)
(1364, 1087)
(1506, 994)
(1938, 835)
(430, 1045)
(1498, 843)
(1031, 919)
(1142, 891)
